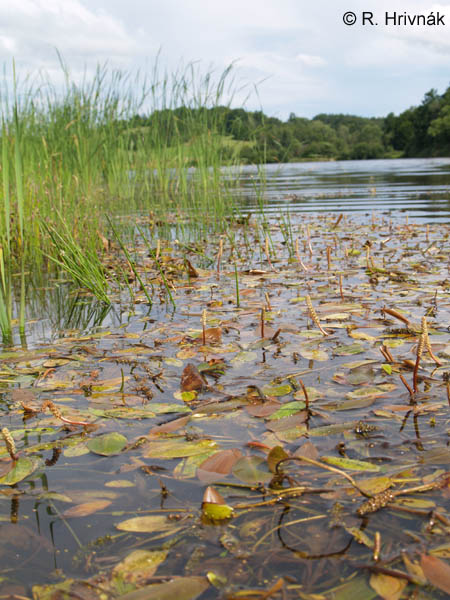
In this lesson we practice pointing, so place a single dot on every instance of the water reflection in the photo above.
(419, 186)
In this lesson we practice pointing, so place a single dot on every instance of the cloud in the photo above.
(300, 53)
(32, 29)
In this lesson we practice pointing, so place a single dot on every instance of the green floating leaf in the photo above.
(139, 564)
(127, 412)
(388, 587)
(21, 469)
(148, 524)
(108, 444)
(182, 588)
(177, 448)
(247, 470)
(314, 354)
(349, 463)
(387, 369)
(332, 429)
(277, 390)
(366, 392)
(217, 512)
(244, 357)
(348, 350)
(275, 455)
(288, 409)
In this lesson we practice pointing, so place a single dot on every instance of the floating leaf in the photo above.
(191, 380)
(244, 357)
(177, 448)
(22, 467)
(148, 524)
(389, 588)
(139, 565)
(78, 450)
(288, 409)
(348, 349)
(247, 470)
(314, 354)
(277, 390)
(120, 483)
(361, 335)
(181, 588)
(186, 396)
(275, 455)
(217, 512)
(349, 463)
(107, 444)
(375, 485)
(86, 508)
(366, 392)
(218, 465)
(436, 571)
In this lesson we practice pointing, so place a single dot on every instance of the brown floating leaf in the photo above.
(191, 380)
(308, 450)
(213, 334)
(263, 410)
(87, 508)
(212, 496)
(218, 465)
(436, 571)
(170, 426)
(182, 588)
(190, 268)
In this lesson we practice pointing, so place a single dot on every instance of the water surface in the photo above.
(419, 186)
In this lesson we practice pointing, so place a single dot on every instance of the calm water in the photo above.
(418, 186)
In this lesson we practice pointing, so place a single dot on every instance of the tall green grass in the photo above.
(72, 153)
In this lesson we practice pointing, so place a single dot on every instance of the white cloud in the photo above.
(307, 59)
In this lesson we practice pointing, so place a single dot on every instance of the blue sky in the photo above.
(299, 53)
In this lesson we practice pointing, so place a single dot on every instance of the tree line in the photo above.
(253, 137)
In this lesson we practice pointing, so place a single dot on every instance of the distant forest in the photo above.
(253, 137)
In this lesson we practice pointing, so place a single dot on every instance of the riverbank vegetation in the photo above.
(72, 155)
(253, 137)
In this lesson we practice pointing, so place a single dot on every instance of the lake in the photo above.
(269, 435)
(418, 186)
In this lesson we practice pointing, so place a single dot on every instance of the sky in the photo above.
(288, 56)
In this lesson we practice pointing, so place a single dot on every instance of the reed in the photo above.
(113, 144)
